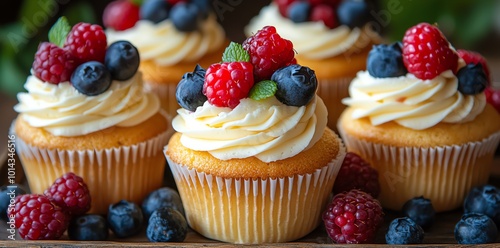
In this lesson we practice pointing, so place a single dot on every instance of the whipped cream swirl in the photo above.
(411, 102)
(266, 129)
(313, 40)
(63, 111)
(165, 45)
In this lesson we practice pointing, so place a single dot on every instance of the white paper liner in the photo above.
(253, 211)
(443, 174)
(332, 91)
(166, 94)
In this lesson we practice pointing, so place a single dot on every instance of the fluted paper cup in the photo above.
(332, 91)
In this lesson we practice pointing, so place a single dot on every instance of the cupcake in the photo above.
(85, 111)
(254, 162)
(171, 36)
(421, 118)
(333, 37)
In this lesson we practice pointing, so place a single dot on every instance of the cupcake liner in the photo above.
(166, 94)
(127, 172)
(254, 210)
(332, 91)
(444, 174)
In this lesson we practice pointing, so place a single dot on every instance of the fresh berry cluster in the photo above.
(84, 59)
(356, 173)
(186, 15)
(426, 53)
(262, 67)
(333, 13)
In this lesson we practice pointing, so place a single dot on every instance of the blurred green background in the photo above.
(468, 24)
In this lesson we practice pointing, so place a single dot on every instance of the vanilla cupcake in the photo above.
(423, 123)
(336, 46)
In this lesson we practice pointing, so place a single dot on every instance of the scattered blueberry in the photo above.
(189, 91)
(91, 78)
(420, 210)
(386, 61)
(163, 197)
(475, 228)
(88, 227)
(404, 231)
(299, 11)
(125, 218)
(186, 16)
(485, 200)
(154, 10)
(167, 225)
(354, 13)
(7, 195)
(296, 85)
(472, 79)
(122, 60)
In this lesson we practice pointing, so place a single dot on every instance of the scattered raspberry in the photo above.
(353, 217)
(87, 42)
(226, 83)
(493, 97)
(356, 173)
(37, 217)
(268, 52)
(120, 15)
(427, 53)
(324, 13)
(174, 2)
(53, 64)
(475, 58)
(71, 193)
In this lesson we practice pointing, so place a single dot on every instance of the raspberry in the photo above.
(268, 52)
(71, 193)
(324, 13)
(475, 58)
(427, 53)
(86, 42)
(356, 173)
(120, 15)
(37, 217)
(493, 97)
(353, 217)
(283, 6)
(53, 64)
(226, 83)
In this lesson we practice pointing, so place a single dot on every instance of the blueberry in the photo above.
(386, 61)
(420, 210)
(7, 195)
(154, 10)
(189, 91)
(485, 200)
(186, 16)
(163, 197)
(475, 228)
(167, 225)
(296, 85)
(299, 11)
(204, 6)
(354, 13)
(404, 231)
(91, 78)
(125, 218)
(88, 227)
(122, 60)
(472, 79)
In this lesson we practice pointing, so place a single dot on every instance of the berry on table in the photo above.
(88, 227)
(71, 193)
(154, 10)
(386, 61)
(37, 217)
(493, 97)
(167, 225)
(8, 194)
(326, 14)
(472, 79)
(53, 64)
(125, 218)
(91, 78)
(420, 210)
(475, 228)
(120, 14)
(403, 231)
(427, 53)
(296, 85)
(185, 16)
(353, 13)
(484, 200)
(356, 173)
(471, 57)
(353, 217)
(189, 91)
(122, 60)
(162, 197)
(87, 42)
(299, 11)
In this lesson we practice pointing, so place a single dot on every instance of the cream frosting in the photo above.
(411, 102)
(165, 45)
(63, 111)
(313, 40)
(266, 129)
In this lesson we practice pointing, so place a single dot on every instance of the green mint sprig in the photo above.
(235, 53)
(59, 31)
(263, 90)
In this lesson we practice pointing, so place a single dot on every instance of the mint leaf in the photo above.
(263, 90)
(235, 53)
(59, 31)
